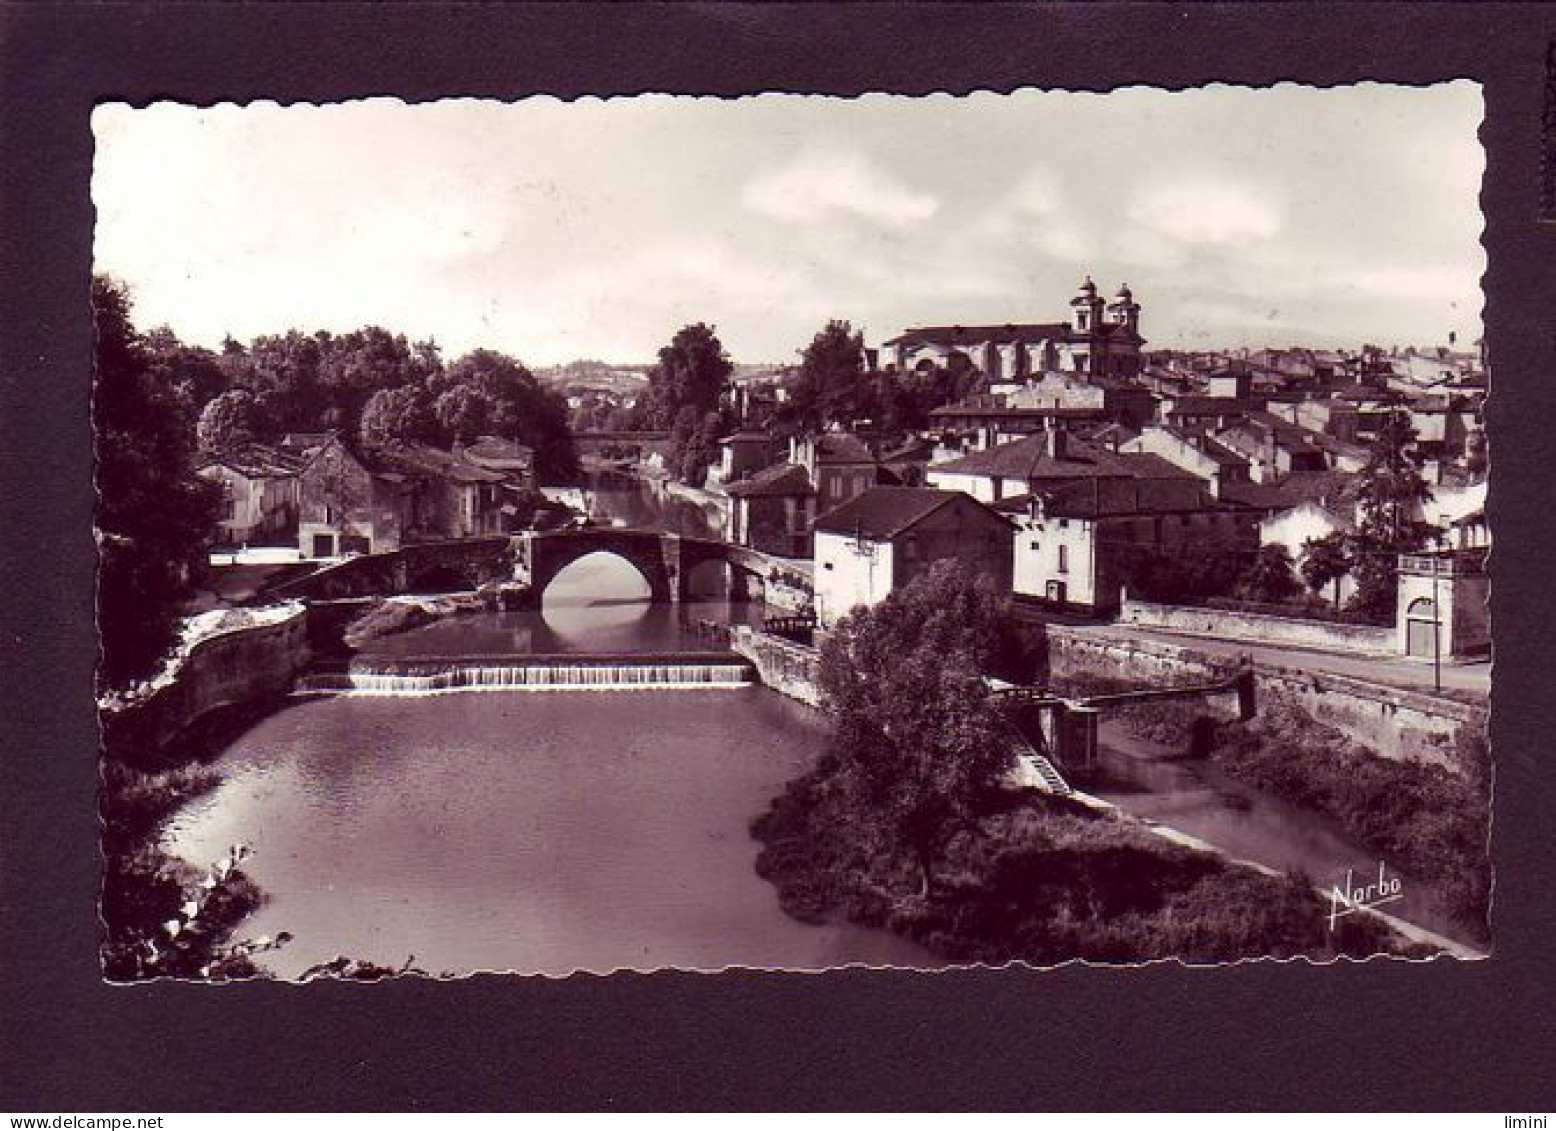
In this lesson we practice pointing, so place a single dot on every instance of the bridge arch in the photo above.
(548, 554)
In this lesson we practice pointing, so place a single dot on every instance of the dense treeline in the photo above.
(835, 384)
(154, 513)
(159, 404)
(368, 384)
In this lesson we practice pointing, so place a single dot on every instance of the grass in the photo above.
(1426, 820)
(1042, 880)
(1429, 821)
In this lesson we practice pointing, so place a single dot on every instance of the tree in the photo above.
(1326, 561)
(1269, 576)
(355, 366)
(700, 448)
(229, 421)
(520, 410)
(1392, 488)
(919, 741)
(1392, 493)
(198, 370)
(462, 414)
(692, 370)
(830, 383)
(154, 514)
(398, 416)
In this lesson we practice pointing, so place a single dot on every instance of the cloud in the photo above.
(820, 183)
(1038, 194)
(1205, 210)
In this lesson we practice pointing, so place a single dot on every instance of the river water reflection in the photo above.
(538, 832)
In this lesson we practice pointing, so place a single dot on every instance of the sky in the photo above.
(597, 228)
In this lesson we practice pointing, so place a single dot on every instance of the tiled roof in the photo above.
(884, 512)
(843, 448)
(424, 460)
(911, 451)
(1030, 458)
(974, 335)
(1212, 406)
(493, 449)
(1086, 500)
(999, 412)
(780, 480)
(257, 461)
(1329, 488)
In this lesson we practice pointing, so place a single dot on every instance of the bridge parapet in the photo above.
(666, 561)
(426, 566)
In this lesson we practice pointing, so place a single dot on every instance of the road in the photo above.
(1389, 671)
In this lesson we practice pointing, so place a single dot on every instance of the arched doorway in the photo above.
(1422, 629)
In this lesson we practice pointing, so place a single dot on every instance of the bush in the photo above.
(1431, 823)
(1042, 880)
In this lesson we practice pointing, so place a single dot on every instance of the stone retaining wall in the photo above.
(237, 668)
(471, 561)
(1261, 628)
(1393, 722)
(788, 668)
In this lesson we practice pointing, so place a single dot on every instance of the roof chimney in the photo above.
(1058, 443)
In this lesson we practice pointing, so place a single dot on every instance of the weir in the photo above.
(427, 675)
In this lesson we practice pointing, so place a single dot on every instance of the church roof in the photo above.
(975, 335)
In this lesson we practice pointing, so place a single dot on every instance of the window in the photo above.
(1036, 546)
(1064, 524)
(826, 565)
(910, 549)
(1064, 559)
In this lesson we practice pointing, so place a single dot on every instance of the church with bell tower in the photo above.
(1106, 337)
(1100, 339)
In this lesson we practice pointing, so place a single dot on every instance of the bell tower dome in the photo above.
(1124, 310)
(1086, 308)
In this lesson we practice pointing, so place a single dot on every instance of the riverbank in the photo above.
(162, 916)
(1428, 821)
(1042, 880)
(395, 615)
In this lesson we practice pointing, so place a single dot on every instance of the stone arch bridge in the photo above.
(534, 558)
(666, 561)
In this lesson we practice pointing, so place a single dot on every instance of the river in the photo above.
(1196, 797)
(537, 832)
(555, 831)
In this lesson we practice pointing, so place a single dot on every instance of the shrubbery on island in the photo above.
(909, 822)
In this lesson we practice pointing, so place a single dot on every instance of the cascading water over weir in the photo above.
(428, 675)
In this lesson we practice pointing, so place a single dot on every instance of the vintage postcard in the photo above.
(792, 532)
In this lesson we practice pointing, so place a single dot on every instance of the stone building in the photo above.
(772, 511)
(1100, 338)
(354, 499)
(1075, 542)
(883, 539)
(259, 493)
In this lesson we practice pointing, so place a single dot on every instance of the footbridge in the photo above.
(1059, 732)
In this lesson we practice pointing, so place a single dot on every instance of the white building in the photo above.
(881, 540)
